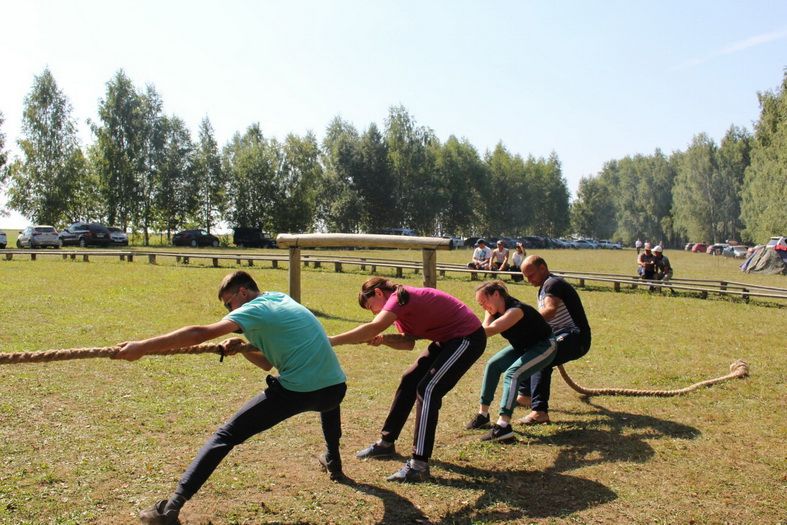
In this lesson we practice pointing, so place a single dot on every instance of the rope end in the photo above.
(740, 368)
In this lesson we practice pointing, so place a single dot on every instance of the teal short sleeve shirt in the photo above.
(292, 339)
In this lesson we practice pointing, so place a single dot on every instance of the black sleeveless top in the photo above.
(529, 330)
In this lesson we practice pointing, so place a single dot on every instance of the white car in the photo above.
(609, 245)
(3, 240)
(585, 243)
(40, 236)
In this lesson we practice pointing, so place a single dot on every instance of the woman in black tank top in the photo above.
(530, 349)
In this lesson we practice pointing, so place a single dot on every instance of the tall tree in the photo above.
(120, 139)
(151, 156)
(593, 211)
(503, 206)
(42, 182)
(765, 184)
(413, 168)
(297, 182)
(462, 184)
(550, 197)
(641, 188)
(374, 182)
(3, 152)
(3, 160)
(733, 157)
(250, 162)
(341, 209)
(177, 203)
(209, 176)
(697, 193)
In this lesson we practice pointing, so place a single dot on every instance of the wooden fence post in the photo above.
(295, 273)
(430, 267)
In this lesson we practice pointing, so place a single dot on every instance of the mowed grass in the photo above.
(93, 441)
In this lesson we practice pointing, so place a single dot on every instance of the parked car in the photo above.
(252, 238)
(737, 251)
(118, 236)
(533, 241)
(609, 245)
(470, 241)
(699, 247)
(779, 243)
(716, 249)
(40, 236)
(456, 242)
(195, 238)
(508, 242)
(86, 234)
(3, 240)
(689, 246)
(585, 244)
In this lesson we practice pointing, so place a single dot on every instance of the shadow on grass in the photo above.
(396, 509)
(610, 437)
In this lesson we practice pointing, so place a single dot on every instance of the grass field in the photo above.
(93, 441)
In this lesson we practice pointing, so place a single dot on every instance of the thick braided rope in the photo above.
(738, 369)
(107, 351)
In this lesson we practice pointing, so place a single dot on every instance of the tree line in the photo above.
(710, 192)
(146, 172)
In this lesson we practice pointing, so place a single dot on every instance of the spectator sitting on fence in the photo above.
(516, 261)
(646, 263)
(662, 266)
(481, 256)
(499, 258)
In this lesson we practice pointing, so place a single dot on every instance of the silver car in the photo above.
(40, 236)
(3, 240)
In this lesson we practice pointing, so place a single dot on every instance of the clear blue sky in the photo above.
(591, 81)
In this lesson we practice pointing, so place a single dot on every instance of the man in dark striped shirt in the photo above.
(562, 308)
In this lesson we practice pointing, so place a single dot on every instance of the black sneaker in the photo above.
(155, 515)
(479, 421)
(376, 451)
(500, 434)
(333, 465)
(408, 474)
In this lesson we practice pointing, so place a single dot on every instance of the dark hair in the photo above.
(368, 288)
(235, 280)
(490, 287)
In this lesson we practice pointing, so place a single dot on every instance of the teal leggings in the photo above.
(515, 365)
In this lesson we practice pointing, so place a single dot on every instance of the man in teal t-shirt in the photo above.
(288, 337)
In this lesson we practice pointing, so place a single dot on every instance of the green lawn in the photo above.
(92, 441)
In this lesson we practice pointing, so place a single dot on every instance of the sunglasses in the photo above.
(228, 304)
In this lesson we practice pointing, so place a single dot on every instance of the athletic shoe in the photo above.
(155, 515)
(376, 451)
(479, 421)
(332, 464)
(408, 474)
(500, 434)
(535, 418)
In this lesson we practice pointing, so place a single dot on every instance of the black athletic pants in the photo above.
(424, 384)
(272, 406)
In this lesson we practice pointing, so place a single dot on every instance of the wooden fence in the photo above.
(701, 286)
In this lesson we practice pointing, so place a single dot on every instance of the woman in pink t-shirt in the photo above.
(458, 340)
